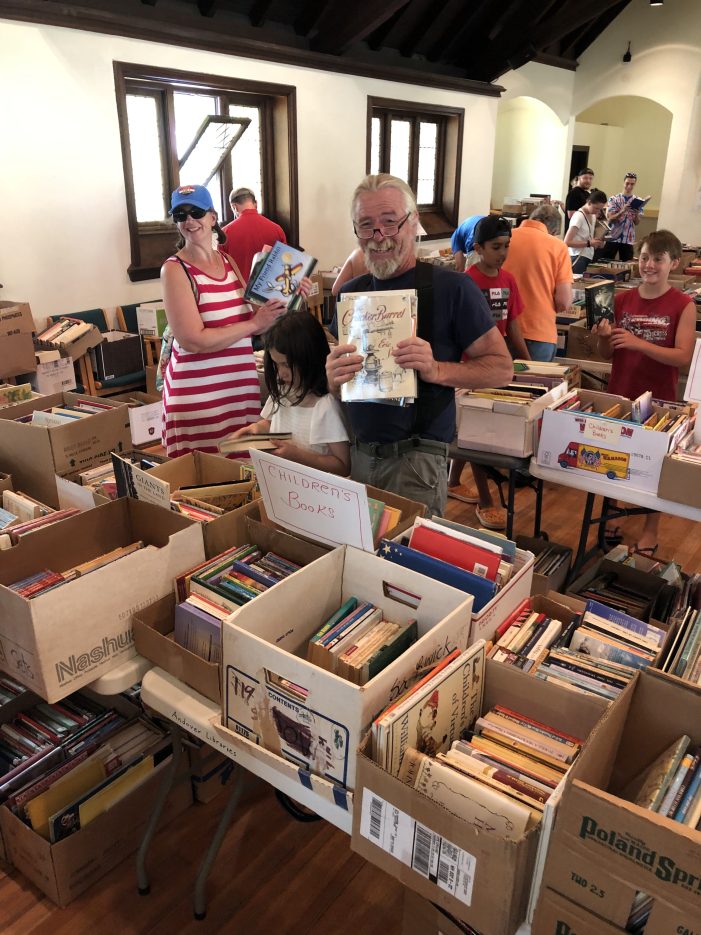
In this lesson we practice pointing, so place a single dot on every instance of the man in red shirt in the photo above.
(249, 232)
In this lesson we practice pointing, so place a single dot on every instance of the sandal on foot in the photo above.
(613, 537)
(491, 517)
(648, 551)
(465, 492)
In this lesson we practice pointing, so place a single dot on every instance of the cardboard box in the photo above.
(615, 449)
(63, 639)
(265, 645)
(680, 482)
(491, 891)
(617, 847)
(582, 344)
(655, 589)
(77, 348)
(556, 915)
(35, 454)
(5, 482)
(54, 376)
(422, 917)
(145, 416)
(153, 626)
(16, 342)
(151, 318)
(118, 354)
(199, 467)
(65, 870)
(504, 427)
(541, 584)
(151, 381)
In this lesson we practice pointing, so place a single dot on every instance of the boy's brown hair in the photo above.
(663, 242)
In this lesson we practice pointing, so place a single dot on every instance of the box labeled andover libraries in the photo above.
(65, 638)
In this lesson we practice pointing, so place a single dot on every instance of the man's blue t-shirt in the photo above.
(463, 239)
(460, 316)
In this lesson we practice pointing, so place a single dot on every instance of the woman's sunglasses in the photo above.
(182, 214)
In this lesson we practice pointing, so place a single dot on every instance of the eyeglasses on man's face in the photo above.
(388, 229)
(182, 214)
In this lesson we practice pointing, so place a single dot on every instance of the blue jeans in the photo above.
(541, 350)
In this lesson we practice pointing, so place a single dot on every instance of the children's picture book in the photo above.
(278, 276)
(598, 300)
(375, 323)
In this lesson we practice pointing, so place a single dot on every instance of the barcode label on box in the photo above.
(434, 857)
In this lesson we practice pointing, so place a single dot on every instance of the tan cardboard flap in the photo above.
(556, 915)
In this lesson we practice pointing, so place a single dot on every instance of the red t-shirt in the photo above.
(248, 234)
(653, 320)
(502, 295)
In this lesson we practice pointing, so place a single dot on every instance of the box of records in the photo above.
(308, 663)
(458, 783)
(627, 841)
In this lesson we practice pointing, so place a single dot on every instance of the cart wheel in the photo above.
(298, 812)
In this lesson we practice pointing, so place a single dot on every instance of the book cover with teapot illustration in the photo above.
(375, 322)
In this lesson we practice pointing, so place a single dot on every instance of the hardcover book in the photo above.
(278, 276)
(599, 302)
(375, 322)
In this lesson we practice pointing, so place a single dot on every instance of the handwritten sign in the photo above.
(322, 506)
(598, 430)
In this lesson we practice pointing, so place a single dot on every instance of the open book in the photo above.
(637, 203)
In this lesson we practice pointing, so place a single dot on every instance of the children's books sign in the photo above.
(313, 503)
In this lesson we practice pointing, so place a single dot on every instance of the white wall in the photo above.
(62, 182)
(666, 68)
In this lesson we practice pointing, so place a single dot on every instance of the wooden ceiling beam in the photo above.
(338, 33)
(424, 14)
(464, 34)
(574, 44)
(259, 12)
(310, 16)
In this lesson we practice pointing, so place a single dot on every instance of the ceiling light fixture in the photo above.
(656, 2)
(626, 55)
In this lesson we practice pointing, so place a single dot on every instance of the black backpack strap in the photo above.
(192, 282)
(432, 399)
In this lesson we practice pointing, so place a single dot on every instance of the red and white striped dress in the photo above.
(209, 394)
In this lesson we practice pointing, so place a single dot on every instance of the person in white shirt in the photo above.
(580, 239)
(299, 403)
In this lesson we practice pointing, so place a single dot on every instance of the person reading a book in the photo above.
(577, 195)
(210, 385)
(299, 402)
(624, 219)
(580, 237)
(404, 448)
(652, 337)
(491, 242)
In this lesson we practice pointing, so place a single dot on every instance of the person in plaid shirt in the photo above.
(623, 223)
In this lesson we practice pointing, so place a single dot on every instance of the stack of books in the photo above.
(640, 412)
(524, 638)
(520, 392)
(210, 592)
(472, 560)
(11, 394)
(9, 689)
(671, 784)
(551, 560)
(430, 715)
(18, 530)
(500, 776)
(64, 331)
(64, 415)
(266, 441)
(683, 657)
(46, 579)
(357, 641)
(23, 506)
(383, 518)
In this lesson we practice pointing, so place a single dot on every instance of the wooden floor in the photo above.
(273, 875)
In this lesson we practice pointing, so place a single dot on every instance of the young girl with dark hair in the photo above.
(300, 403)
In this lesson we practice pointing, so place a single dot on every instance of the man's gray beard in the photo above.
(380, 268)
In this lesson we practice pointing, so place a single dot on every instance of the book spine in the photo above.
(684, 786)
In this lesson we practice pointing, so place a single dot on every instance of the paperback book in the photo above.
(278, 274)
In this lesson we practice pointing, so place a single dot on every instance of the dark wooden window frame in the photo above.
(152, 242)
(441, 218)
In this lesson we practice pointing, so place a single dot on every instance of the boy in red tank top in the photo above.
(652, 337)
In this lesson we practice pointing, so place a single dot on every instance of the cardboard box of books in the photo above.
(680, 477)
(151, 318)
(54, 376)
(557, 915)
(154, 635)
(71, 337)
(551, 564)
(35, 453)
(16, 342)
(145, 416)
(118, 354)
(59, 640)
(628, 817)
(505, 421)
(305, 714)
(199, 469)
(67, 868)
(474, 854)
(592, 433)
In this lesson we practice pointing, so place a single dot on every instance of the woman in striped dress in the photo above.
(210, 386)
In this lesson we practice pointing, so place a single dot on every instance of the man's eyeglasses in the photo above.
(182, 214)
(366, 232)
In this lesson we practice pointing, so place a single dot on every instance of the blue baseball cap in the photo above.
(195, 195)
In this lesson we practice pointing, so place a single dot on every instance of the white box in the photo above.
(503, 427)
(151, 318)
(505, 601)
(265, 642)
(588, 443)
(145, 423)
(54, 376)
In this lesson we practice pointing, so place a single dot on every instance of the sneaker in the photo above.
(465, 492)
(491, 517)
